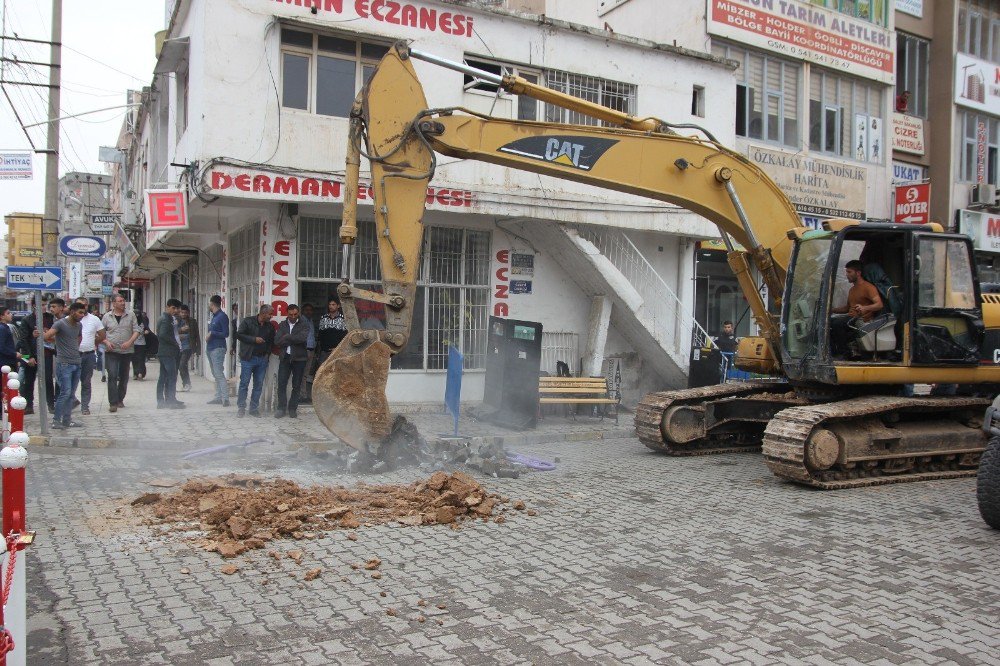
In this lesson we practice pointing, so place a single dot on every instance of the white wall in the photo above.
(646, 19)
(235, 54)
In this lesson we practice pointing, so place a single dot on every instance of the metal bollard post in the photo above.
(13, 460)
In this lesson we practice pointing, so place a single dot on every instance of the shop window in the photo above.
(323, 73)
(527, 107)
(612, 94)
(767, 95)
(452, 301)
(979, 29)
(845, 117)
(912, 58)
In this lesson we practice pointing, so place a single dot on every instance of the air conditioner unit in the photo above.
(983, 194)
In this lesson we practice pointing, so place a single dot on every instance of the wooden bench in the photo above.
(591, 391)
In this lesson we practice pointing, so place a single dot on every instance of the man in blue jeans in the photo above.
(215, 347)
(169, 355)
(65, 333)
(256, 336)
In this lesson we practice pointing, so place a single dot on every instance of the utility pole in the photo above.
(50, 222)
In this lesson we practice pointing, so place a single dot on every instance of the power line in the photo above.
(103, 64)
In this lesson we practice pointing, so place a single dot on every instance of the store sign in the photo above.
(15, 165)
(911, 7)
(981, 151)
(913, 204)
(501, 284)
(982, 228)
(907, 173)
(30, 252)
(277, 270)
(75, 280)
(815, 186)
(907, 134)
(104, 223)
(252, 184)
(977, 84)
(408, 14)
(166, 210)
(82, 246)
(120, 240)
(802, 30)
(868, 138)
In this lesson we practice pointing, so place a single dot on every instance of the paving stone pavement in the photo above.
(634, 558)
(141, 425)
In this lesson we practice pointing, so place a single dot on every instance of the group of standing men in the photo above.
(294, 343)
(72, 335)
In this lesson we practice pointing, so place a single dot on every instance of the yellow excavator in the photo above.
(840, 417)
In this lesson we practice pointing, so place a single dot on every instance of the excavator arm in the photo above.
(393, 127)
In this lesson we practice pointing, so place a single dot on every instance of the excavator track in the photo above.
(876, 440)
(652, 432)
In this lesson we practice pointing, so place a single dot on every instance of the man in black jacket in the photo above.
(169, 355)
(256, 335)
(291, 338)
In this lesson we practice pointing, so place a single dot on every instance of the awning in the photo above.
(157, 262)
(173, 55)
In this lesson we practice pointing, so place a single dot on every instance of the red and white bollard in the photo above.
(12, 390)
(13, 609)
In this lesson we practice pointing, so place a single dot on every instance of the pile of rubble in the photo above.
(241, 513)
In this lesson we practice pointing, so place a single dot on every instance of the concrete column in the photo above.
(685, 293)
(597, 337)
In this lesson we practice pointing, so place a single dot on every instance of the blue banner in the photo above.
(453, 387)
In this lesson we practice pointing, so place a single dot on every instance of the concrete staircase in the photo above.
(647, 312)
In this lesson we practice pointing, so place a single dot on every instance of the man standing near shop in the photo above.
(122, 330)
(91, 334)
(256, 336)
(190, 339)
(169, 355)
(218, 331)
(65, 334)
(292, 338)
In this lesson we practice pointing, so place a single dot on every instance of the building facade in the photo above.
(247, 116)
(813, 109)
(24, 239)
(962, 126)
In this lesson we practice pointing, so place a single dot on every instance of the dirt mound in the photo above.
(241, 513)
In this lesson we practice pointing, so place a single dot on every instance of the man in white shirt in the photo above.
(91, 334)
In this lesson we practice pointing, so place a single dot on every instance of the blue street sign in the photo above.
(83, 246)
(27, 278)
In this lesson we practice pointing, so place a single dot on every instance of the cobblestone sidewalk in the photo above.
(141, 425)
(634, 558)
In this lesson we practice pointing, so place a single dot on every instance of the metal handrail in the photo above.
(662, 309)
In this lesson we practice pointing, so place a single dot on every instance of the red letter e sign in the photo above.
(165, 209)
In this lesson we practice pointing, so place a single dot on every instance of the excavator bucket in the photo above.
(349, 391)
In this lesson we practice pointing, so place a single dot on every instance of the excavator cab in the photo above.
(927, 284)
